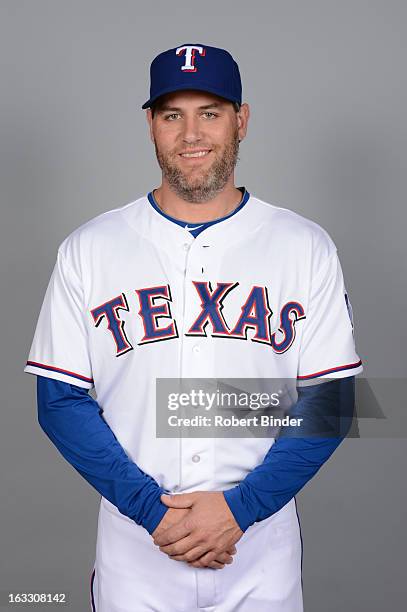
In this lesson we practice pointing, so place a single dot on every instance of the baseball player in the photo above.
(197, 279)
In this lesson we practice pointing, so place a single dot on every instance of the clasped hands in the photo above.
(199, 528)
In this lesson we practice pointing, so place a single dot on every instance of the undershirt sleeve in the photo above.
(73, 421)
(292, 461)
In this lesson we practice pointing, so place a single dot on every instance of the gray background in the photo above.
(327, 138)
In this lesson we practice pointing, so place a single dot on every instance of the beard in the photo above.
(204, 185)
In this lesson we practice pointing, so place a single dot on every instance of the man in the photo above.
(198, 279)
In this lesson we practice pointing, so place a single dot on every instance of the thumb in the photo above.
(182, 500)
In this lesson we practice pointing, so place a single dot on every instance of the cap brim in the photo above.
(198, 87)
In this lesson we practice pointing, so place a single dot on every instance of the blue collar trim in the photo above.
(196, 228)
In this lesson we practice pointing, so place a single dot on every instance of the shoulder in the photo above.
(86, 245)
(103, 229)
(294, 230)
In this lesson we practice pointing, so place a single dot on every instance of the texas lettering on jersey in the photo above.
(155, 305)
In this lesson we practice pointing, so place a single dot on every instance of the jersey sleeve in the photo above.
(59, 349)
(327, 347)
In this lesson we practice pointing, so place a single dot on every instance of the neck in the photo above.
(223, 204)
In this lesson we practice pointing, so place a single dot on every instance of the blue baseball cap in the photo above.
(195, 66)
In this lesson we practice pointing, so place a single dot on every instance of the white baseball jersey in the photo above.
(128, 303)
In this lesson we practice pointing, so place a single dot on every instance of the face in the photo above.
(196, 137)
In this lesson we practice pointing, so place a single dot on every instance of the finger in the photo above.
(232, 550)
(215, 565)
(224, 558)
(221, 559)
(182, 500)
(208, 557)
(182, 546)
(191, 555)
(212, 565)
(172, 534)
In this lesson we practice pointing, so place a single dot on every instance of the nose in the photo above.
(191, 130)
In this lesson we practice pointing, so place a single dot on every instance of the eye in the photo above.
(171, 117)
(174, 116)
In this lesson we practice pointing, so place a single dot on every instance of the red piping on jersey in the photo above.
(53, 368)
(338, 369)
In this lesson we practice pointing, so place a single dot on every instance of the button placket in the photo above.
(195, 452)
(192, 348)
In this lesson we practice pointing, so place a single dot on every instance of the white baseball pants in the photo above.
(132, 575)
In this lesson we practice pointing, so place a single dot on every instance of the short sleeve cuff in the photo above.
(339, 371)
(67, 376)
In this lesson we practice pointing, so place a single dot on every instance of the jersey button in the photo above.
(196, 458)
(196, 349)
(186, 246)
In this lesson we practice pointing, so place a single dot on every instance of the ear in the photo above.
(243, 120)
(149, 118)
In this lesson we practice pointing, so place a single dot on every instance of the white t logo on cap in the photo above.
(189, 56)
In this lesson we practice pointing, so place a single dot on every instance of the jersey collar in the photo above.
(196, 228)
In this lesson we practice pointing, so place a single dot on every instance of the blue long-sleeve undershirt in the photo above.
(298, 453)
(73, 421)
